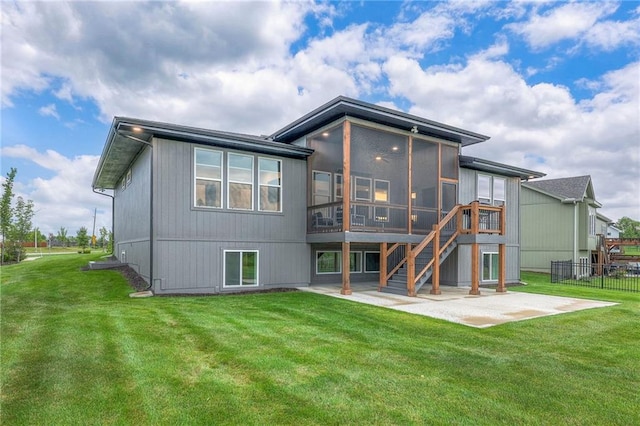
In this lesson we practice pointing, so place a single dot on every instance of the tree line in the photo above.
(16, 228)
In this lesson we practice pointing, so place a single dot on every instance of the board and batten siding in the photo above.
(131, 221)
(547, 230)
(457, 269)
(189, 241)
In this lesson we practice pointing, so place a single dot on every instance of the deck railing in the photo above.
(470, 219)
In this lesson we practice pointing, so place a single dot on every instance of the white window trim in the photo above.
(313, 189)
(364, 261)
(355, 185)
(491, 199)
(260, 184)
(388, 191)
(339, 263)
(490, 280)
(224, 268)
(358, 269)
(229, 181)
(195, 178)
(337, 197)
(493, 190)
(481, 197)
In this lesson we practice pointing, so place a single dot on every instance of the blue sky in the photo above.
(555, 84)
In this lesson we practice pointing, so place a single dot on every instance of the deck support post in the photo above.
(411, 271)
(502, 253)
(475, 270)
(383, 266)
(435, 277)
(502, 268)
(346, 269)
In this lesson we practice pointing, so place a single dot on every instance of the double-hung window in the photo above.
(270, 181)
(491, 190)
(240, 181)
(208, 178)
(240, 268)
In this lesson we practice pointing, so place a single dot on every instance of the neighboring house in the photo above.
(559, 221)
(613, 231)
(349, 192)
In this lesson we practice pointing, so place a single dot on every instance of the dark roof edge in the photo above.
(186, 133)
(377, 109)
(482, 165)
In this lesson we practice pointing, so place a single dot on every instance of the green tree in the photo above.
(82, 237)
(62, 236)
(630, 228)
(104, 233)
(6, 212)
(21, 226)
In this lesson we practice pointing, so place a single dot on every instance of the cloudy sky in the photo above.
(555, 84)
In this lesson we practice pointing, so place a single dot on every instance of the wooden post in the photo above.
(475, 270)
(502, 265)
(411, 271)
(502, 253)
(346, 176)
(475, 217)
(383, 265)
(346, 269)
(435, 277)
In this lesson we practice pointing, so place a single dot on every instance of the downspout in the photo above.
(113, 216)
(575, 232)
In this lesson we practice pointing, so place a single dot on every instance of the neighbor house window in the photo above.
(592, 221)
(240, 268)
(371, 261)
(270, 181)
(328, 262)
(208, 178)
(490, 266)
(240, 176)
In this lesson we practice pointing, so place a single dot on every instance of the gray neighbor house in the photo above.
(351, 192)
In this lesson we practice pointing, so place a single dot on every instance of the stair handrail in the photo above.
(433, 234)
(398, 266)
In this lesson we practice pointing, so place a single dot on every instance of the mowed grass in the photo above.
(77, 350)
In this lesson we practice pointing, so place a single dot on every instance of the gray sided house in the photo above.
(560, 222)
(351, 192)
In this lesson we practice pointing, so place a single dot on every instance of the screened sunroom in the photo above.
(370, 178)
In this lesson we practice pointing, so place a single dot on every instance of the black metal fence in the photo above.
(625, 277)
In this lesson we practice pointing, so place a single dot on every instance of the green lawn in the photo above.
(77, 350)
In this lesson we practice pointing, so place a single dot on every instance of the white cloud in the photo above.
(533, 123)
(568, 21)
(66, 199)
(49, 111)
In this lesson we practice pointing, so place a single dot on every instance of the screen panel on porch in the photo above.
(424, 185)
(379, 180)
(325, 181)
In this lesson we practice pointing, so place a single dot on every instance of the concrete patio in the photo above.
(456, 305)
